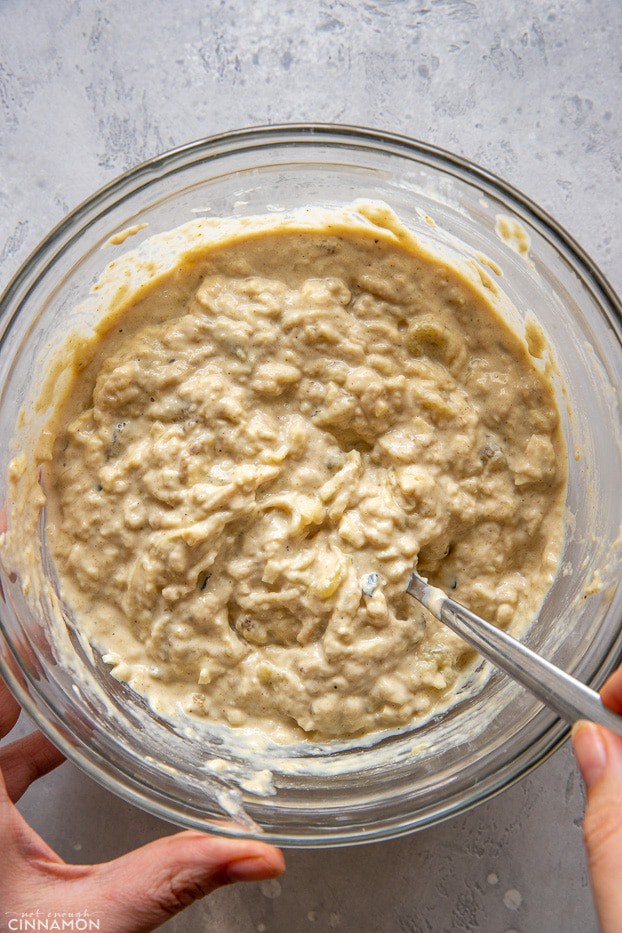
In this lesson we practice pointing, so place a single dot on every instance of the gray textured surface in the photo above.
(529, 90)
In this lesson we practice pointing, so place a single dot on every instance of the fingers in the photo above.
(611, 693)
(599, 754)
(25, 760)
(9, 710)
(141, 890)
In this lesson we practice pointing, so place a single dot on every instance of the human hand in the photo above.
(132, 894)
(599, 754)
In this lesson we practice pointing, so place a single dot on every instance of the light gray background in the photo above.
(530, 90)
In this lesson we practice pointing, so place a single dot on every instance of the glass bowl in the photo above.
(339, 793)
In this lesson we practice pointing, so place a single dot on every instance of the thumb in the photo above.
(141, 890)
(599, 754)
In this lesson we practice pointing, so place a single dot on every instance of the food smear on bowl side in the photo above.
(260, 444)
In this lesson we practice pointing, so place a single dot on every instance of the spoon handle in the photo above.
(568, 697)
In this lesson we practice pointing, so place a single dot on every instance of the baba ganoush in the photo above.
(259, 444)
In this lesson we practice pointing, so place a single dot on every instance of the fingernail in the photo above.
(590, 750)
(250, 869)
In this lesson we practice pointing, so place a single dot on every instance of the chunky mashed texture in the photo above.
(265, 443)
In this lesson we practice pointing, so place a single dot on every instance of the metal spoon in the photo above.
(568, 697)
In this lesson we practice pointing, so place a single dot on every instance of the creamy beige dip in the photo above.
(256, 448)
